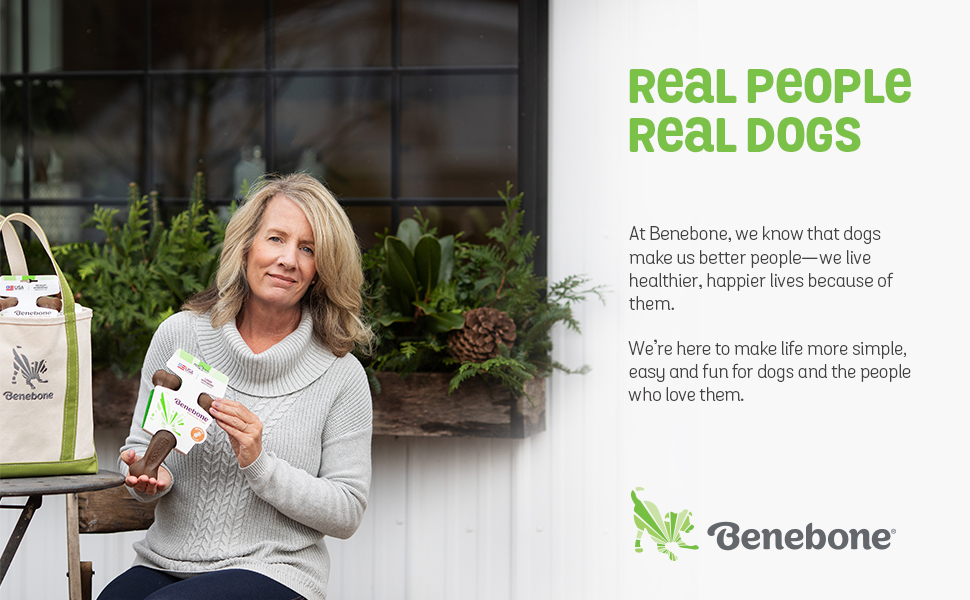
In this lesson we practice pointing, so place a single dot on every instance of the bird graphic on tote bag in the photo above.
(27, 369)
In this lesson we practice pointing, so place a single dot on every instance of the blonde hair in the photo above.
(334, 301)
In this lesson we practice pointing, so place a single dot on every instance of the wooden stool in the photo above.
(69, 485)
(105, 511)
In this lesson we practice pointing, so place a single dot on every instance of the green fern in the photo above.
(141, 273)
(510, 372)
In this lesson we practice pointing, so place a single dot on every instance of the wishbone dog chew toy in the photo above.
(178, 415)
(31, 295)
(166, 379)
(162, 443)
(49, 302)
(174, 382)
(43, 302)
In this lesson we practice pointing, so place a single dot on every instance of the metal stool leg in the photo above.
(33, 503)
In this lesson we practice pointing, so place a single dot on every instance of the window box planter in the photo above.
(114, 399)
(420, 405)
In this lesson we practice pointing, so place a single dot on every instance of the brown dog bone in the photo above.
(6, 303)
(49, 302)
(166, 379)
(205, 401)
(162, 443)
(173, 382)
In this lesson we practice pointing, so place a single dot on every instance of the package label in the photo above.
(27, 289)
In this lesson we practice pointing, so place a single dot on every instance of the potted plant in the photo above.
(463, 329)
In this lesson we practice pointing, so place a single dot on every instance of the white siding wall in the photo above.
(472, 518)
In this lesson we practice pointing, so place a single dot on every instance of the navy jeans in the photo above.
(142, 583)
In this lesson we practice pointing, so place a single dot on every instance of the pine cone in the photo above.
(485, 328)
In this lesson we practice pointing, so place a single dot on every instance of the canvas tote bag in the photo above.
(46, 415)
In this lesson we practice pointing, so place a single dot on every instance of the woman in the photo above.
(241, 515)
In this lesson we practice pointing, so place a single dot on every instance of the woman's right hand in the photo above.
(145, 484)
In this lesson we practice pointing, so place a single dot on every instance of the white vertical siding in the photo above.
(39, 570)
(438, 525)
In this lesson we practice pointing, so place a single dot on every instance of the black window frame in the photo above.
(532, 77)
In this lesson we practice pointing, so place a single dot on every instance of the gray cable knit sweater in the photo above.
(311, 479)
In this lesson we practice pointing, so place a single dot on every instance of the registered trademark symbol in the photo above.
(892, 531)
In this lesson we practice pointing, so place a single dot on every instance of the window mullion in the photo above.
(148, 89)
(27, 134)
(395, 113)
(270, 91)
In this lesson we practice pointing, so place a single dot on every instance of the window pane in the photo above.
(86, 36)
(11, 57)
(11, 139)
(329, 33)
(458, 135)
(368, 220)
(339, 129)
(62, 224)
(210, 124)
(9, 209)
(86, 137)
(471, 32)
(44, 35)
(37, 261)
(213, 34)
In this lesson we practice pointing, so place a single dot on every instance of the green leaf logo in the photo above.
(172, 420)
(665, 532)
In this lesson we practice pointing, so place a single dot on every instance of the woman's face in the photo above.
(280, 265)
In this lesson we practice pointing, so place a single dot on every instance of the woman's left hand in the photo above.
(244, 428)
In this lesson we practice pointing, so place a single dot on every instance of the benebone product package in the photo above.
(30, 295)
(177, 414)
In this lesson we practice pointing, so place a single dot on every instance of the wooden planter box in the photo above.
(417, 405)
(114, 399)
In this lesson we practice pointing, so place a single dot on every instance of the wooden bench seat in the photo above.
(113, 510)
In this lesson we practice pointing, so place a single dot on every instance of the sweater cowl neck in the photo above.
(289, 366)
